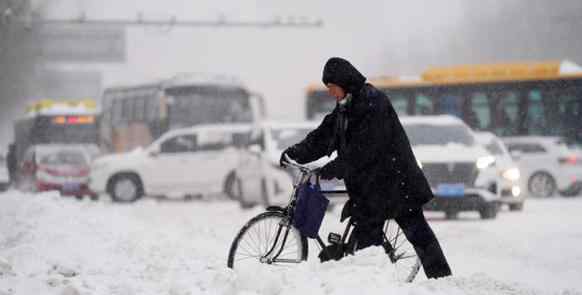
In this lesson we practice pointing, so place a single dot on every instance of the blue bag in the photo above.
(309, 209)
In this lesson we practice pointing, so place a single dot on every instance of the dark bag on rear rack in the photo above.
(309, 209)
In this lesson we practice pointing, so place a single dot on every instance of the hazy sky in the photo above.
(380, 37)
(276, 62)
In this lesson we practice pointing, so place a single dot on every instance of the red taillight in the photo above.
(569, 160)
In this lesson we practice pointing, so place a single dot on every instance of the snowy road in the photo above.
(52, 245)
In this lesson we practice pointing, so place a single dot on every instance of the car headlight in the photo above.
(485, 162)
(511, 174)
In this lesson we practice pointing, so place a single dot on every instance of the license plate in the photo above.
(71, 187)
(453, 190)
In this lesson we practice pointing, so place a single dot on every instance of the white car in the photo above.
(509, 187)
(4, 175)
(547, 165)
(460, 171)
(183, 162)
(275, 184)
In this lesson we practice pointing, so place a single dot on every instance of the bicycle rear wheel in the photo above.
(267, 239)
(401, 252)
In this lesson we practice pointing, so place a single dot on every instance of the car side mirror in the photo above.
(516, 155)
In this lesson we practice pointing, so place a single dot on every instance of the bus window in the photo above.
(535, 121)
(478, 114)
(563, 110)
(208, 104)
(423, 104)
(140, 108)
(126, 109)
(399, 102)
(116, 110)
(451, 103)
(506, 113)
(153, 107)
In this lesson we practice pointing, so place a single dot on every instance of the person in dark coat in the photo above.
(375, 160)
(11, 162)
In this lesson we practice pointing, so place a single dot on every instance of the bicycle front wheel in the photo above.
(401, 253)
(267, 239)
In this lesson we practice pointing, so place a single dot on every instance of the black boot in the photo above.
(433, 261)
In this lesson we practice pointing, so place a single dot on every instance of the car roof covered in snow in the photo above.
(236, 127)
(431, 120)
(532, 139)
(484, 136)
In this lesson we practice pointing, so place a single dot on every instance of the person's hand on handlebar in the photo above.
(286, 155)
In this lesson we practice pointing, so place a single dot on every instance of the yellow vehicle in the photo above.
(54, 121)
(540, 98)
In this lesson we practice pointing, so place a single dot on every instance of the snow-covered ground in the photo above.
(54, 245)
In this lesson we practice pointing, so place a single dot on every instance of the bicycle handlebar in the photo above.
(303, 168)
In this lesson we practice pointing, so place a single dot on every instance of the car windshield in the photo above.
(64, 157)
(285, 138)
(427, 134)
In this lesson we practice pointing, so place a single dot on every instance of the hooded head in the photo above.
(342, 73)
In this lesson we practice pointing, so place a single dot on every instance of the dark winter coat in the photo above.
(375, 158)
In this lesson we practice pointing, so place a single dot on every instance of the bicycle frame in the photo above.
(306, 174)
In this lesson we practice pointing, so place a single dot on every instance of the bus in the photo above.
(51, 121)
(538, 98)
(134, 116)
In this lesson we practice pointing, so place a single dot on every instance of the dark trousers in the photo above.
(413, 223)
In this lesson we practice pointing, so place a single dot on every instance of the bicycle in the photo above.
(271, 239)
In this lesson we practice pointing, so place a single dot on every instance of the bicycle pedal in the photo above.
(334, 238)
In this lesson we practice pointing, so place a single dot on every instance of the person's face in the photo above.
(336, 91)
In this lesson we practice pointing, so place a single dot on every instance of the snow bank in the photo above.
(55, 245)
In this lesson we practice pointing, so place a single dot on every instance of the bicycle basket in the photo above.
(309, 209)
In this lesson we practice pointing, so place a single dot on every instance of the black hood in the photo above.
(342, 73)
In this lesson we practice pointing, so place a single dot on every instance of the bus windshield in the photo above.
(208, 104)
(46, 130)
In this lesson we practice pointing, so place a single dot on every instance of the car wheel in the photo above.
(572, 192)
(451, 214)
(488, 211)
(126, 188)
(516, 207)
(541, 185)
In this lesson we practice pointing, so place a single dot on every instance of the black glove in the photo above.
(333, 169)
(328, 171)
(290, 152)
